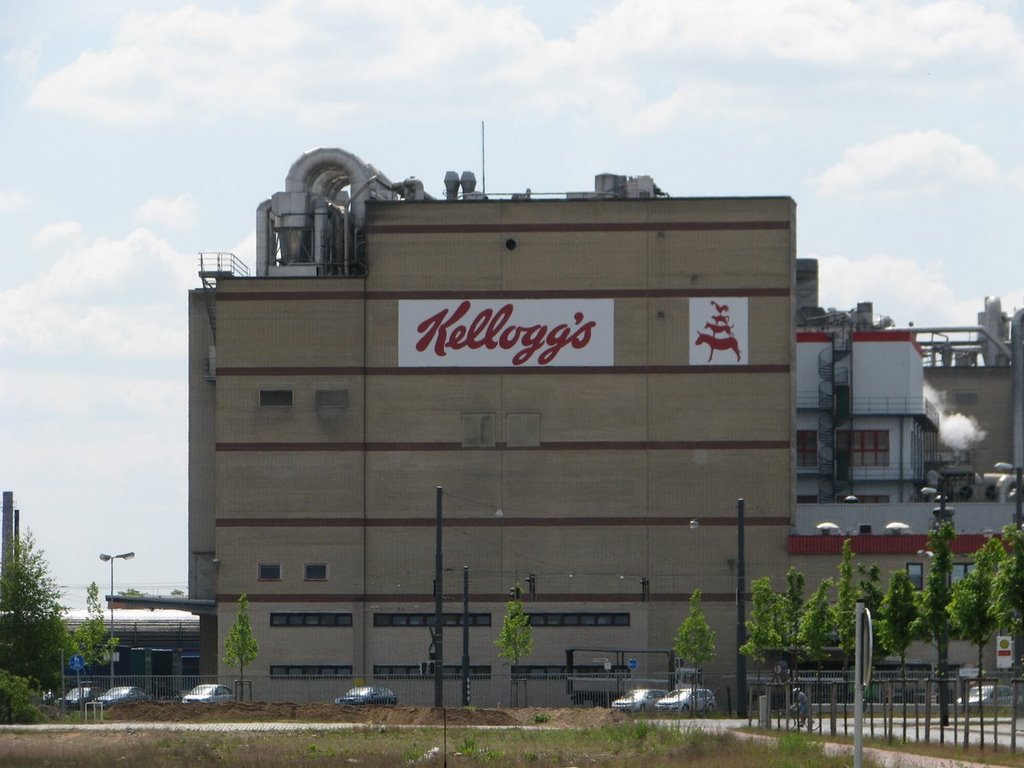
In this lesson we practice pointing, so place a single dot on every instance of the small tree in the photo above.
(763, 625)
(791, 608)
(32, 628)
(1009, 584)
(695, 640)
(843, 611)
(515, 641)
(816, 623)
(932, 623)
(895, 627)
(973, 613)
(240, 646)
(91, 639)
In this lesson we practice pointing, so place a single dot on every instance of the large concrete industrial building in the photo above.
(593, 381)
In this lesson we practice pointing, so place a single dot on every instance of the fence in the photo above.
(963, 712)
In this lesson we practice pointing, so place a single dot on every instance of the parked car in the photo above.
(76, 697)
(988, 696)
(640, 699)
(208, 694)
(122, 695)
(695, 700)
(376, 695)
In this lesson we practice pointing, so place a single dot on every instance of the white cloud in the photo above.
(919, 162)
(193, 61)
(106, 300)
(904, 289)
(57, 232)
(11, 201)
(179, 213)
(25, 58)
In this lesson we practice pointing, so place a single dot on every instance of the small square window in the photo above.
(275, 398)
(331, 399)
(316, 572)
(916, 573)
(270, 572)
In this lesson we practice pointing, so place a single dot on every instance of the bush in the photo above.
(15, 700)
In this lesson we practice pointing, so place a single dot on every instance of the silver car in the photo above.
(640, 699)
(208, 694)
(688, 700)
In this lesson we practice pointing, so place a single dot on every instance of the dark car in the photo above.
(122, 695)
(76, 697)
(369, 695)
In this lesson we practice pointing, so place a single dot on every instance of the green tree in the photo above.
(16, 700)
(763, 633)
(240, 646)
(895, 626)
(816, 623)
(91, 638)
(973, 612)
(695, 639)
(843, 612)
(932, 623)
(515, 640)
(1010, 584)
(32, 628)
(791, 608)
(869, 592)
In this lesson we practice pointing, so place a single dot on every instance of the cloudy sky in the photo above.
(132, 140)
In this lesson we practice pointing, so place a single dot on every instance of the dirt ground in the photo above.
(172, 712)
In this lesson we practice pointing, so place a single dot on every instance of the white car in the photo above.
(688, 700)
(208, 694)
(640, 699)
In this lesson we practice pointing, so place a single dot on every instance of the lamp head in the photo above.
(105, 558)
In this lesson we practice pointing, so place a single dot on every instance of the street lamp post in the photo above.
(741, 621)
(111, 558)
(438, 609)
(943, 515)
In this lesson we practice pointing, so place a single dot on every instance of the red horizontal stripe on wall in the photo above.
(632, 370)
(490, 522)
(613, 226)
(640, 445)
(477, 599)
(596, 293)
(880, 544)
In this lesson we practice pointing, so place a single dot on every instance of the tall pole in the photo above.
(111, 623)
(741, 619)
(465, 635)
(438, 613)
(858, 687)
(110, 559)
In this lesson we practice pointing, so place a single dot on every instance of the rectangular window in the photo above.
(311, 670)
(522, 430)
(311, 619)
(316, 572)
(475, 670)
(806, 448)
(270, 572)
(960, 570)
(331, 399)
(916, 573)
(865, 447)
(578, 619)
(275, 398)
(478, 430)
(427, 619)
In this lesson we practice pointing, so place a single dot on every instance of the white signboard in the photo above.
(718, 331)
(1004, 652)
(506, 333)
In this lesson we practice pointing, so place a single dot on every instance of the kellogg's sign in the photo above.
(500, 333)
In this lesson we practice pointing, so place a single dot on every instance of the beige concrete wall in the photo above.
(356, 490)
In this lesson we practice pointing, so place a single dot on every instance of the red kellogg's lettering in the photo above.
(492, 329)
